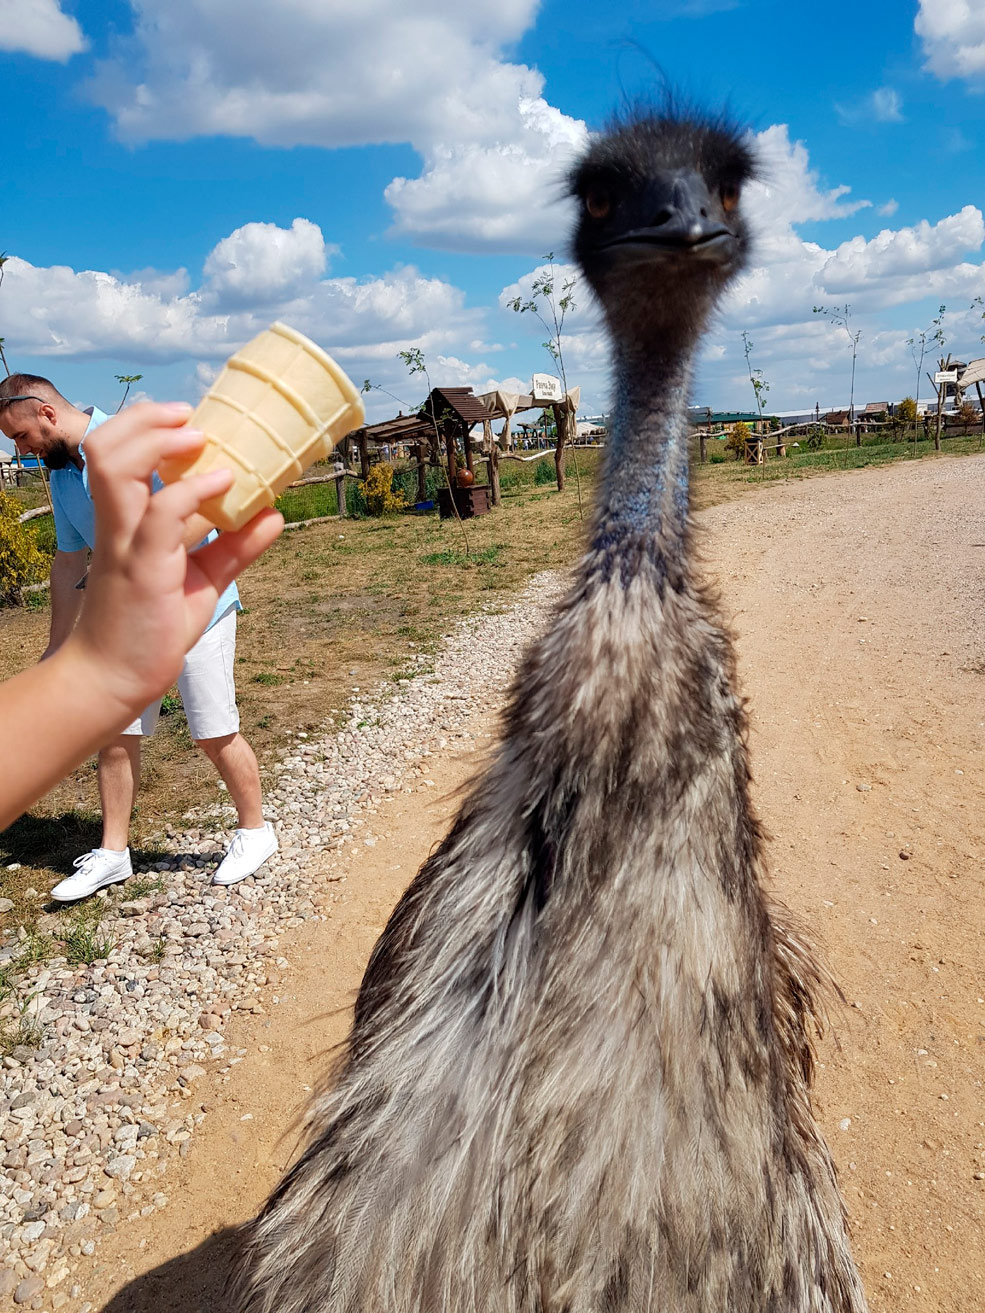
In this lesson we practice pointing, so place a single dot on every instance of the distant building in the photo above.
(704, 419)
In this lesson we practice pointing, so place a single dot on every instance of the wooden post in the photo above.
(44, 482)
(940, 416)
(450, 448)
(492, 461)
(467, 446)
(494, 471)
(340, 489)
(703, 446)
(559, 410)
(422, 476)
(364, 454)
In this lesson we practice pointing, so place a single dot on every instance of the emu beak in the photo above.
(681, 216)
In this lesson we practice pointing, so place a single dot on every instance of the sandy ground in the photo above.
(857, 602)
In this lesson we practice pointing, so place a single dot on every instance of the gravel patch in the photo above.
(91, 1117)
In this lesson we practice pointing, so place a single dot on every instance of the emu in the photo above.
(578, 1075)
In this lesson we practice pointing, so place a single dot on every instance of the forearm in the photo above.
(66, 599)
(52, 717)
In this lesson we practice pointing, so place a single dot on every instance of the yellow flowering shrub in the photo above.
(21, 561)
(377, 490)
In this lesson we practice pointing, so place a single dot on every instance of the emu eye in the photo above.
(598, 204)
(729, 193)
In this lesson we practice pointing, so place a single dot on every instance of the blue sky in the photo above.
(181, 172)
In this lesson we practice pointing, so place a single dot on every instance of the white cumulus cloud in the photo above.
(39, 28)
(432, 74)
(790, 191)
(153, 317)
(260, 263)
(339, 74)
(505, 195)
(953, 36)
(891, 256)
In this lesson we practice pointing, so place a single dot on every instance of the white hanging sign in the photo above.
(545, 387)
(946, 376)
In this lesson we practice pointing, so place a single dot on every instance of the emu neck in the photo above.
(645, 501)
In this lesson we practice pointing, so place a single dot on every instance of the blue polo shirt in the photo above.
(75, 519)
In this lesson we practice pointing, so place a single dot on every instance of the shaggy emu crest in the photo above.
(578, 1075)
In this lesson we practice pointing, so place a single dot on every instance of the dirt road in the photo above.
(857, 601)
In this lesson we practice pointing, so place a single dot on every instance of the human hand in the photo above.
(147, 601)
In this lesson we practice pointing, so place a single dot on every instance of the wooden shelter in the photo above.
(504, 405)
(455, 412)
(973, 374)
(447, 418)
(413, 431)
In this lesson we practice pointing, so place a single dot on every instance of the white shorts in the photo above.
(206, 685)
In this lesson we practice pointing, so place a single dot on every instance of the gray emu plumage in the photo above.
(578, 1075)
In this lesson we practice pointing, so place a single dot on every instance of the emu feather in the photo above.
(578, 1075)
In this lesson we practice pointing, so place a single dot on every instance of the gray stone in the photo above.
(119, 1168)
(28, 1288)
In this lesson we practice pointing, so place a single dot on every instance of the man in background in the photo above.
(42, 423)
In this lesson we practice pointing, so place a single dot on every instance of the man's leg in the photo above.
(209, 694)
(234, 759)
(118, 774)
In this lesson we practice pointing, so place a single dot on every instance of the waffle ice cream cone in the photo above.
(279, 405)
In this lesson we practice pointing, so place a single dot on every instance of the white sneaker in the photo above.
(246, 854)
(95, 869)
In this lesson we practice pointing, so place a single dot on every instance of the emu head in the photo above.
(660, 231)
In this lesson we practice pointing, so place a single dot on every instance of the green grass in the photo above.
(25, 1032)
(37, 947)
(268, 677)
(139, 886)
(317, 499)
(83, 942)
(712, 481)
(469, 561)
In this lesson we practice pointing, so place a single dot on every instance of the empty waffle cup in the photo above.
(279, 405)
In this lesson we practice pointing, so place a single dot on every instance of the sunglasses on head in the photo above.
(9, 401)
